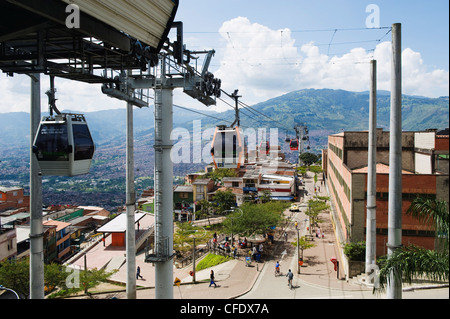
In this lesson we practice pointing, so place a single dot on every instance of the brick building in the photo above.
(12, 198)
(425, 173)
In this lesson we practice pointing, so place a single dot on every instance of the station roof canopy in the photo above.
(119, 223)
(115, 34)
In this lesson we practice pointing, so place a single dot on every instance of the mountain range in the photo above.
(324, 112)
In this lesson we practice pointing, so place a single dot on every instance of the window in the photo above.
(52, 143)
(84, 145)
(184, 195)
(10, 244)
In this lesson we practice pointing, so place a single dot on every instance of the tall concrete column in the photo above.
(371, 173)
(131, 208)
(394, 287)
(36, 228)
(163, 190)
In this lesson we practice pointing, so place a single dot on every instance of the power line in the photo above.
(198, 112)
(292, 31)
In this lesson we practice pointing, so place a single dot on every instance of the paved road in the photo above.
(317, 279)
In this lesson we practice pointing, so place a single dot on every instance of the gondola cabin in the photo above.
(264, 148)
(63, 145)
(294, 145)
(226, 147)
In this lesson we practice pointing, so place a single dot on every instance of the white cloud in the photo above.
(265, 63)
(262, 63)
(71, 95)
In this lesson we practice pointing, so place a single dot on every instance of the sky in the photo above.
(269, 48)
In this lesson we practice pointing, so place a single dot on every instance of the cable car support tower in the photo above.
(302, 135)
(173, 71)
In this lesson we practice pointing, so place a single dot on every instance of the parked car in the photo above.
(294, 208)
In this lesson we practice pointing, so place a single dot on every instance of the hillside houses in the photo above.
(268, 175)
(64, 228)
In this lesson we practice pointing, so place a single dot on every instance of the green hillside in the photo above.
(328, 112)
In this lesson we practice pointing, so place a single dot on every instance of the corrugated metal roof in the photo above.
(183, 188)
(145, 20)
(119, 224)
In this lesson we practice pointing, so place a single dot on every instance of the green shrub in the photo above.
(355, 251)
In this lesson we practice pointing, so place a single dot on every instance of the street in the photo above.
(317, 278)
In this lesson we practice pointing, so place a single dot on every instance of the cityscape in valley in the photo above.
(322, 189)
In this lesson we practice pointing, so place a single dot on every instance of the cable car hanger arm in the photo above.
(51, 97)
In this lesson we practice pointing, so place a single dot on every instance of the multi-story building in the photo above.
(12, 198)
(425, 173)
(201, 187)
(62, 232)
(278, 186)
(8, 243)
(183, 202)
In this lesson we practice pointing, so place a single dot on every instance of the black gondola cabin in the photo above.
(63, 145)
(226, 147)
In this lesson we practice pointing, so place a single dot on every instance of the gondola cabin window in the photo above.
(84, 146)
(52, 143)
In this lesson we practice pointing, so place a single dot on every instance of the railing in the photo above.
(142, 237)
(200, 252)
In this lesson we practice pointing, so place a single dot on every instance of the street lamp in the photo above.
(193, 254)
(298, 251)
(233, 209)
(8, 289)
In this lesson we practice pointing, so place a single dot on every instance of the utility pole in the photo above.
(394, 287)
(193, 262)
(130, 205)
(372, 173)
(36, 228)
(298, 251)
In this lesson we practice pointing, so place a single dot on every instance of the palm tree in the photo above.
(412, 261)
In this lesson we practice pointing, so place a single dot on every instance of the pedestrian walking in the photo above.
(290, 276)
(254, 253)
(138, 273)
(211, 278)
(285, 236)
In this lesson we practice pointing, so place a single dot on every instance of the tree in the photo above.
(308, 158)
(303, 244)
(206, 209)
(315, 207)
(219, 173)
(252, 219)
(412, 262)
(92, 277)
(265, 196)
(224, 200)
(15, 275)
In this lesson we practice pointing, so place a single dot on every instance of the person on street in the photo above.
(211, 278)
(138, 273)
(290, 276)
(277, 268)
